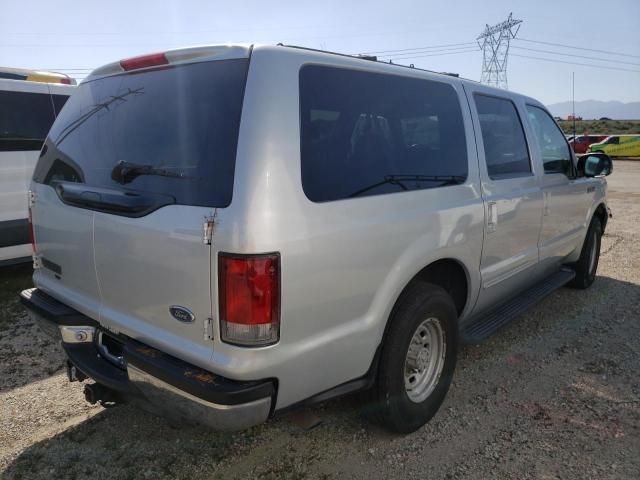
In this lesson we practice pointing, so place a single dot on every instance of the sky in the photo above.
(57, 35)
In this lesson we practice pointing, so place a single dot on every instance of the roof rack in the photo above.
(371, 58)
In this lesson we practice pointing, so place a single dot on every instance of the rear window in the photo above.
(366, 133)
(25, 119)
(171, 131)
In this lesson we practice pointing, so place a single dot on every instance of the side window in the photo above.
(421, 131)
(553, 146)
(505, 146)
(25, 119)
(58, 102)
(366, 133)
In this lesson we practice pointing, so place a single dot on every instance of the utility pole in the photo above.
(573, 102)
(494, 42)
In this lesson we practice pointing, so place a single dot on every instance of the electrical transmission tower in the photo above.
(494, 42)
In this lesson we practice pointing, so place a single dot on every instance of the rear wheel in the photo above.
(418, 358)
(587, 264)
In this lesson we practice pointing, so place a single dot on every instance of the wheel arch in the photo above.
(448, 273)
(602, 214)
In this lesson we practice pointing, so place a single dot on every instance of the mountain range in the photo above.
(594, 109)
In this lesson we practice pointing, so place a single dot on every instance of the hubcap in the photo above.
(425, 360)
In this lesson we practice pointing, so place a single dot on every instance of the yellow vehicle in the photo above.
(618, 146)
(36, 76)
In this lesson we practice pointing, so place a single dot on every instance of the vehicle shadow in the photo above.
(124, 442)
(26, 353)
(13, 279)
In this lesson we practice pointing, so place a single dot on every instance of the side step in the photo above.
(484, 326)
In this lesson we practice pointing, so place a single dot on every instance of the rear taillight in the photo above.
(144, 61)
(65, 81)
(249, 299)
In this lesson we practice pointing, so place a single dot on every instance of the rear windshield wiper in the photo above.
(126, 172)
(401, 181)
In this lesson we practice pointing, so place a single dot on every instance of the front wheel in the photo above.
(418, 358)
(587, 264)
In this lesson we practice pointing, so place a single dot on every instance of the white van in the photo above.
(29, 103)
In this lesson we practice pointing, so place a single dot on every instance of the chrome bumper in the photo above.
(152, 379)
(169, 401)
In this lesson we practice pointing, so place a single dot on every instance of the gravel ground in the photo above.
(556, 395)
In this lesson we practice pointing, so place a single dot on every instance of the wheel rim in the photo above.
(425, 360)
(593, 255)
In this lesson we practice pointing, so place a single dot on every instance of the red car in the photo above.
(580, 143)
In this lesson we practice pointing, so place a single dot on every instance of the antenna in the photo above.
(573, 102)
(494, 42)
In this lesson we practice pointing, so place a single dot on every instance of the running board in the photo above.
(486, 325)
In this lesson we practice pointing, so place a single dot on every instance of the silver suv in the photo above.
(224, 232)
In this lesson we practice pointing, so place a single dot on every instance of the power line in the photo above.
(434, 54)
(71, 68)
(430, 52)
(460, 48)
(605, 67)
(416, 48)
(577, 56)
(578, 48)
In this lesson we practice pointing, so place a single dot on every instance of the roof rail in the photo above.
(368, 58)
(372, 58)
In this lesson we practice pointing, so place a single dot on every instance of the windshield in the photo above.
(170, 131)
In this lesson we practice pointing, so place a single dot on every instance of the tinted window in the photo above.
(171, 131)
(58, 102)
(553, 146)
(613, 141)
(368, 134)
(505, 146)
(25, 119)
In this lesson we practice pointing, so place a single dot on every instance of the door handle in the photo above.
(492, 216)
(545, 204)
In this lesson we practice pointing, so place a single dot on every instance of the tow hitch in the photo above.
(93, 392)
(96, 393)
(73, 374)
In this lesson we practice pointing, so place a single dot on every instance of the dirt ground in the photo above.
(556, 395)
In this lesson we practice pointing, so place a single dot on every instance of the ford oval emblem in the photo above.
(181, 314)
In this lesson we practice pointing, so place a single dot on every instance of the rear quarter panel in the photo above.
(344, 263)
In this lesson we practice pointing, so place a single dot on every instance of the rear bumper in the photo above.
(156, 381)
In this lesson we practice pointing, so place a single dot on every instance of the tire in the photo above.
(587, 264)
(423, 309)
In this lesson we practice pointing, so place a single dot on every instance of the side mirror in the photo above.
(595, 165)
